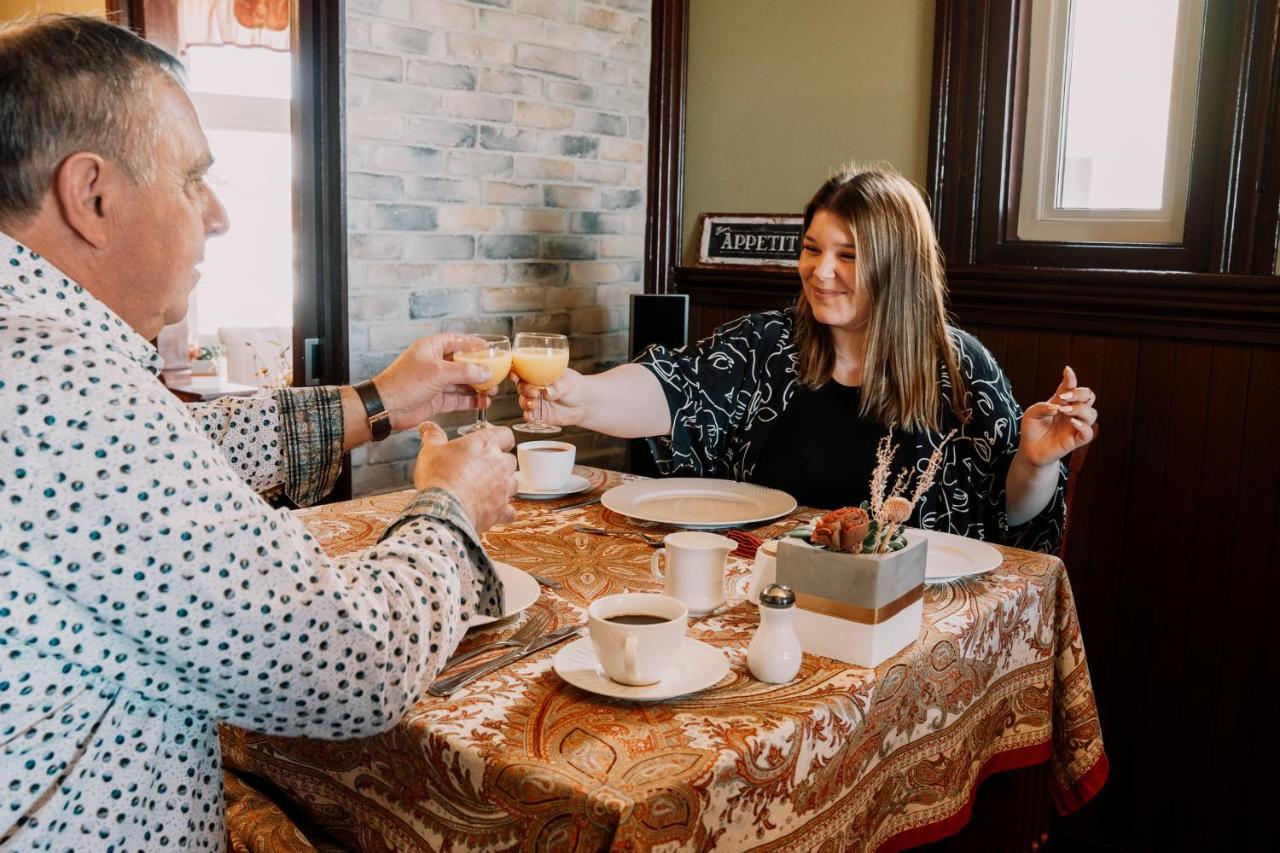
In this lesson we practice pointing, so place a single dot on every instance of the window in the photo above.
(242, 95)
(1111, 102)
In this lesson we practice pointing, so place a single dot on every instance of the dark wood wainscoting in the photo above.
(1173, 553)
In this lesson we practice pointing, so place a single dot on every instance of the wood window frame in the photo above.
(1218, 285)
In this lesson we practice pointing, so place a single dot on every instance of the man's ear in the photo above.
(81, 185)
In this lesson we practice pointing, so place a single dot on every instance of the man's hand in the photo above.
(420, 383)
(477, 469)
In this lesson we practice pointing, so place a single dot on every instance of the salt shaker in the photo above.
(774, 653)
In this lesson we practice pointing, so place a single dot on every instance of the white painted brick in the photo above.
(442, 247)
(621, 149)
(508, 138)
(470, 218)
(641, 6)
(618, 295)
(442, 189)
(591, 321)
(374, 66)
(603, 19)
(547, 221)
(570, 196)
(633, 51)
(572, 93)
(600, 173)
(503, 192)
(386, 8)
(546, 323)
(394, 448)
(398, 276)
(506, 299)
(544, 168)
(510, 83)
(376, 125)
(411, 40)
(541, 272)
(621, 247)
(509, 26)
(545, 116)
(477, 48)
(448, 134)
(368, 246)
(399, 97)
(637, 127)
(556, 10)
(375, 187)
(406, 158)
(478, 106)
(485, 272)
(377, 306)
(478, 163)
(441, 15)
(607, 124)
(357, 31)
(565, 298)
(441, 76)
(552, 61)
(581, 272)
(579, 39)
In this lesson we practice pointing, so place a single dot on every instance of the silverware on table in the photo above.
(546, 581)
(528, 632)
(578, 505)
(448, 686)
(655, 541)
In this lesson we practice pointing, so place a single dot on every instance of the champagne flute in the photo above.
(540, 359)
(494, 352)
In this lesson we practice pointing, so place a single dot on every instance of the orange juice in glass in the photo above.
(539, 359)
(494, 352)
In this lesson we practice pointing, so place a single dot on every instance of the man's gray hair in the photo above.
(73, 83)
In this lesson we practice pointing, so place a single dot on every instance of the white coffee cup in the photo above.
(545, 465)
(631, 651)
(695, 568)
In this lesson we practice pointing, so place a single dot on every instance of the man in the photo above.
(146, 592)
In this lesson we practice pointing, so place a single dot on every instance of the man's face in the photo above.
(162, 226)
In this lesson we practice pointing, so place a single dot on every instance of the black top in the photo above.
(802, 459)
(729, 393)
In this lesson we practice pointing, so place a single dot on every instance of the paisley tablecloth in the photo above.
(842, 758)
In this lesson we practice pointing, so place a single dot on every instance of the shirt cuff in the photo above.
(477, 573)
(311, 432)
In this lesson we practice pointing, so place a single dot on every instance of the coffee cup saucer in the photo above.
(575, 484)
(697, 667)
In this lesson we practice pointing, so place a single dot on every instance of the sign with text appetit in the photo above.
(755, 240)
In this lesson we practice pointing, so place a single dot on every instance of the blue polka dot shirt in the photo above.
(148, 593)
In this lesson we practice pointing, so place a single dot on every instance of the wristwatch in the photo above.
(379, 419)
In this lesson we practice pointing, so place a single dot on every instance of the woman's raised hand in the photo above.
(1057, 426)
(566, 399)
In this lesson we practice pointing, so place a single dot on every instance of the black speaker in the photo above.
(656, 318)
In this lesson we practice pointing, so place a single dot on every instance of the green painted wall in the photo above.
(782, 92)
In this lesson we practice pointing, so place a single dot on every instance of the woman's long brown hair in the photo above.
(900, 264)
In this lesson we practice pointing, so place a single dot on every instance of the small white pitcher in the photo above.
(695, 568)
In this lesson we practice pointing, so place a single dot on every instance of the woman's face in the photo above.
(828, 272)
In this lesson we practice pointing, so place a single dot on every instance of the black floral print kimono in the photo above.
(727, 391)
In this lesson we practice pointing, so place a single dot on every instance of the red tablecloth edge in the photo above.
(1067, 800)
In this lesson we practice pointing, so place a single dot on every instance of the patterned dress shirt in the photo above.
(148, 593)
(726, 394)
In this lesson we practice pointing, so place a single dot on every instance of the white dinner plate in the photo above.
(697, 503)
(951, 556)
(519, 590)
(697, 667)
(572, 486)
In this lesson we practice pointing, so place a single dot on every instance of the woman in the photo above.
(797, 399)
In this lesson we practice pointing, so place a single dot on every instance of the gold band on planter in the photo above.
(854, 613)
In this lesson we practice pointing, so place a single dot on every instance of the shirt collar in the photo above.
(32, 281)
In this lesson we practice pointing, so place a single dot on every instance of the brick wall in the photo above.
(496, 170)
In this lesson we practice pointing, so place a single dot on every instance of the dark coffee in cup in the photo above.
(637, 619)
(548, 449)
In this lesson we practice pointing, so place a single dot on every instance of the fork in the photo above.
(531, 629)
(450, 685)
(655, 541)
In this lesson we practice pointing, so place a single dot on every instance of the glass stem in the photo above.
(481, 412)
(542, 402)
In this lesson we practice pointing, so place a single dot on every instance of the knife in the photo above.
(448, 686)
(579, 504)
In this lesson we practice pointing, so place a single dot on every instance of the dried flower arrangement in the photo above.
(275, 376)
(875, 527)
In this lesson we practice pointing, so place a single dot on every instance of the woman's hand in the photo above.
(1059, 425)
(566, 400)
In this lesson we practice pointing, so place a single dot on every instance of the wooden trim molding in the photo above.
(664, 206)
(1233, 207)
